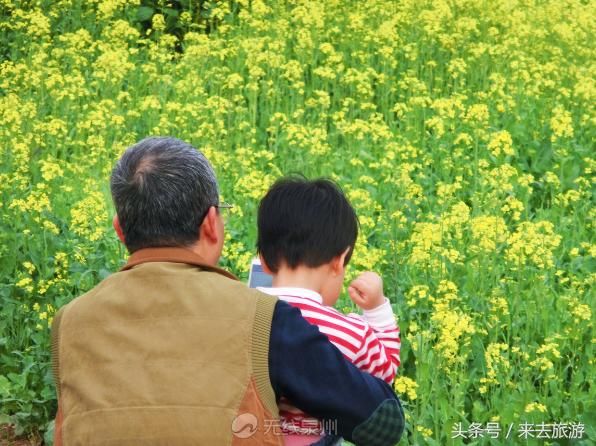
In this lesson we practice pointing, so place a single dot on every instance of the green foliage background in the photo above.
(462, 131)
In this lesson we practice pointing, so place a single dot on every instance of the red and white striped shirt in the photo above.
(371, 342)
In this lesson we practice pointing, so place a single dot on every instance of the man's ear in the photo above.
(265, 266)
(118, 228)
(338, 262)
(208, 229)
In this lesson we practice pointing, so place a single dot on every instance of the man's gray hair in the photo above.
(162, 189)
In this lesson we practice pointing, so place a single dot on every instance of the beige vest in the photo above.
(168, 351)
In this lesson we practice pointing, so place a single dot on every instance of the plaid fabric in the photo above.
(329, 440)
(384, 427)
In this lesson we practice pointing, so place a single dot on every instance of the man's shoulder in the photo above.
(89, 294)
(210, 288)
(176, 274)
(235, 286)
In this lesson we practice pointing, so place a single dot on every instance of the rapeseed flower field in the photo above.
(463, 132)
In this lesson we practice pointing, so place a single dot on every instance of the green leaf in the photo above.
(170, 12)
(144, 13)
(48, 436)
(4, 386)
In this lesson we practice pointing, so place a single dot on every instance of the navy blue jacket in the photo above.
(313, 375)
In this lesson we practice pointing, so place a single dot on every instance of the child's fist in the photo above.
(366, 290)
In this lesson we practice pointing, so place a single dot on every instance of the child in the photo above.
(306, 235)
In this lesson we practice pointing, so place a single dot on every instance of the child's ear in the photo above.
(265, 266)
(338, 263)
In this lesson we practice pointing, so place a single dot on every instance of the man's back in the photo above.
(163, 350)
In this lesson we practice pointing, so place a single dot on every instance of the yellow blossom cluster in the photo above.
(497, 365)
(89, 216)
(452, 327)
(561, 124)
(501, 143)
(499, 309)
(546, 355)
(488, 233)
(532, 243)
(405, 386)
(419, 294)
(535, 407)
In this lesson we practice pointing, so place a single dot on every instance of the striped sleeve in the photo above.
(380, 348)
(371, 342)
(345, 332)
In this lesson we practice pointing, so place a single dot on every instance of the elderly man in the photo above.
(174, 350)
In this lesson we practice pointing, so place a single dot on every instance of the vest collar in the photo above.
(175, 255)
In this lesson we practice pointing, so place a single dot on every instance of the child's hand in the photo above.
(366, 290)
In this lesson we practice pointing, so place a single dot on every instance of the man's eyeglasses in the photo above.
(223, 205)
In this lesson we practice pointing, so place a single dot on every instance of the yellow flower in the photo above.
(424, 239)
(29, 267)
(37, 202)
(496, 363)
(255, 184)
(50, 170)
(532, 407)
(50, 227)
(426, 432)
(112, 65)
(532, 243)
(26, 284)
(488, 232)
(477, 113)
(108, 8)
(452, 331)
(89, 217)
(513, 206)
(568, 198)
(406, 386)
(457, 68)
(418, 294)
(501, 143)
(582, 312)
(552, 179)
(158, 22)
(561, 124)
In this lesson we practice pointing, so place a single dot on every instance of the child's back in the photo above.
(371, 342)
(307, 231)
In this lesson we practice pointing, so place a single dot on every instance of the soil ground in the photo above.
(8, 438)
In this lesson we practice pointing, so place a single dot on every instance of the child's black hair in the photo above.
(305, 222)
